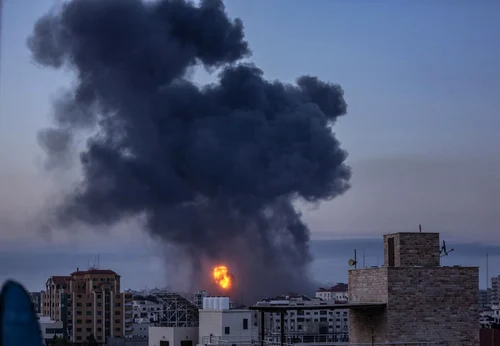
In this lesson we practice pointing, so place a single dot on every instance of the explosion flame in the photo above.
(222, 277)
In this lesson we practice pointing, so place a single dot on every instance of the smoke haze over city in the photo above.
(421, 129)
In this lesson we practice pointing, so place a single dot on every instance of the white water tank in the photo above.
(224, 303)
(212, 303)
(205, 303)
(217, 303)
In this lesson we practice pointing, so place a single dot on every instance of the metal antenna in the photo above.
(420, 228)
(444, 251)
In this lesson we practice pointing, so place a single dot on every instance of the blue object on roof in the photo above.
(18, 320)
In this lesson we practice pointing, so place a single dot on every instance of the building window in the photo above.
(78, 329)
(78, 337)
(245, 323)
(117, 321)
(117, 313)
(226, 330)
(78, 321)
(89, 313)
(164, 343)
(89, 330)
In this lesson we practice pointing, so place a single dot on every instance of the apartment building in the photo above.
(338, 293)
(89, 304)
(495, 290)
(309, 319)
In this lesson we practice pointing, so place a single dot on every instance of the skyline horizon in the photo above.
(144, 267)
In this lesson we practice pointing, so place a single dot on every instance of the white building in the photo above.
(50, 328)
(339, 293)
(140, 330)
(172, 336)
(218, 324)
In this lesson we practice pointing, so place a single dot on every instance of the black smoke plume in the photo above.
(212, 169)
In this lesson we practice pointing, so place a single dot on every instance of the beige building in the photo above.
(89, 303)
(420, 300)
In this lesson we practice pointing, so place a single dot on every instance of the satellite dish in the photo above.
(352, 262)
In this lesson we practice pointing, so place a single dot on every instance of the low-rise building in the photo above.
(305, 320)
(50, 328)
(140, 330)
(339, 293)
(219, 324)
(173, 336)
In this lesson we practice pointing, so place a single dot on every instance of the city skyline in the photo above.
(143, 266)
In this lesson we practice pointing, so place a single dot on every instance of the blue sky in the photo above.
(421, 80)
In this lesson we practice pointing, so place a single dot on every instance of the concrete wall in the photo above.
(433, 304)
(413, 249)
(174, 335)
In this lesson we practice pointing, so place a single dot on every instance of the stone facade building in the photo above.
(425, 302)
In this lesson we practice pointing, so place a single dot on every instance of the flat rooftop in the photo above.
(279, 308)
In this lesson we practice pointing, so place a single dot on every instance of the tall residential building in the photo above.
(89, 304)
(495, 290)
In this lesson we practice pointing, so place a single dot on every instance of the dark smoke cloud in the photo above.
(214, 169)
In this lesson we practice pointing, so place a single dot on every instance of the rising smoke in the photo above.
(213, 170)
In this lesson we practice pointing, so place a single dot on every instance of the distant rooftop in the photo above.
(94, 271)
(338, 288)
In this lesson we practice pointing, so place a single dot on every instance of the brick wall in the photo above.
(427, 304)
(367, 286)
(433, 304)
(414, 249)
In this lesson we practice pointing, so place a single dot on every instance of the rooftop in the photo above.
(338, 288)
(322, 305)
(93, 271)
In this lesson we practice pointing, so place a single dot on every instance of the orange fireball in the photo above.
(222, 277)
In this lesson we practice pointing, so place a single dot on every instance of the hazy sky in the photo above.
(421, 80)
